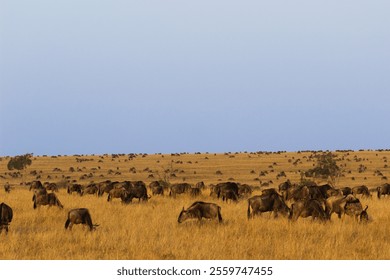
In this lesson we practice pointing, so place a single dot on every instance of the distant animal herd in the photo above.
(306, 200)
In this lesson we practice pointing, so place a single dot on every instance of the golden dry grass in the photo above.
(150, 230)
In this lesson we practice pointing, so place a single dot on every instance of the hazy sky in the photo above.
(83, 77)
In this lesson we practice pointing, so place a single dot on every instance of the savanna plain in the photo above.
(150, 230)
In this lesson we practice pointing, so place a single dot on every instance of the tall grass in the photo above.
(151, 231)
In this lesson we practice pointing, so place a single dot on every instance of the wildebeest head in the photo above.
(364, 215)
(183, 216)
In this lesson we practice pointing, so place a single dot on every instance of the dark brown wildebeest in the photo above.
(267, 203)
(228, 194)
(336, 204)
(77, 188)
(79, 216)
(156, 188)
(138, 190)
(46, 199)
(199, 210)
(223, 188)
(308, 208)
(6, 215)
(179, 189)
(362, 190)
(383, 190)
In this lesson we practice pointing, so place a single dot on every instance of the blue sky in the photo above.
(83, 77)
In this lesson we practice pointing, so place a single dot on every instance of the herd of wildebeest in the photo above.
(291, 200)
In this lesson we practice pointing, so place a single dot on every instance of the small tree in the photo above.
(19, 162)
(326, 168)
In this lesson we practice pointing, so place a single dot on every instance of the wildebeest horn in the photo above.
(183, 209)
(96, 225)
(365, 209)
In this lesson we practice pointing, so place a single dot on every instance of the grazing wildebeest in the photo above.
(46, 199)
(267, 203)
(156, 188)
(363, 190)
(179, 189)
(199, 210)
(336, 204)
(77, 188)
(79, 216)
(306, 208)
(6, 215)
(137, 190)
(383, 190)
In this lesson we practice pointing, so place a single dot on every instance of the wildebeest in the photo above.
(104, 187)
(227, 189)
(244, 190)
(79, 216)
(156, 188)
(6, 215)
(137, 190)
(337, 204)
(308, 208)
(354, 209)
(46, 199)
(199, 210)
(90, 189)
(77, 188)
(267, 203)
(179, 189)
(116, 193)
(362, 190)
(383, 190)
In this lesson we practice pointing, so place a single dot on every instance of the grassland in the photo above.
(150, 230)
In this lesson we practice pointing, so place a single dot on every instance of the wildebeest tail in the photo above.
(67, 223)
(219, 215)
